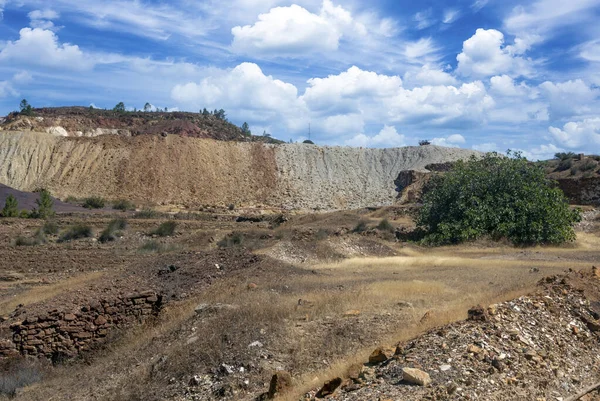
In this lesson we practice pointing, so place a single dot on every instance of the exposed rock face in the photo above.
(193, 171)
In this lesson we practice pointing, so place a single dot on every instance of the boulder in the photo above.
(416, 376)
(280, 382)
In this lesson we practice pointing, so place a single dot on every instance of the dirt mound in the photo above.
(27, 200)
(177, 170)
(543, 346)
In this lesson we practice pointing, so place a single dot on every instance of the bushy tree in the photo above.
(564, 155)
(119, 108)
(25, 108)
(45, 205)
(246, 129)
(503, 197)
(11, 207)
(147, 107)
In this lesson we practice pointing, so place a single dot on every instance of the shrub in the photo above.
(361, 227)
(385, 225)
(11, 207)
(50, 227)
(18, 373)
(166, 229)
(93, 202)
(72, 199)
(45, 206)
(588, 165)
(110, 233)
(574, 170)
(234, 239)
(124, 205)
(505, 197)
(38, 239)
(231, 206)
(146, 214)
(77, 231)
(564, 155)
(155, 246)
(322, 234)
(24, 214)
(564, 164)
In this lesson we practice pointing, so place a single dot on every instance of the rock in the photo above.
(280, 382)
(252, 286)
(416, 376)
(100, 320)
(380, 355)
(352, 312)
(426, 317)
(477, 313)
(329, 387)
(69, 317)
(445, 368)
(474, 349)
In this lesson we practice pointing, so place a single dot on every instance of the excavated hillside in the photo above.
(179, 170)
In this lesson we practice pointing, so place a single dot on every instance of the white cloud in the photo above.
(294, 30)
(453, 141)
(427, 75)
(505, 86)
(591, 51)
(450, 15)
(43, 18)
(420, 49)
(424, 19)
(2, 5)
(341, 124)
(542, 152)
(387, 137)
(349, 89)
(22, 77)
(582, 135)
(570, 98)
(484, 54)
(479, 4)
(41, 47)
(542, 16)
(245, 90)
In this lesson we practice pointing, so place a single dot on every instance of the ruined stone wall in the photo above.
(59, 334)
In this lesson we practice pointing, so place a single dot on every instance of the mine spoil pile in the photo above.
(58, 334)
(539, 347)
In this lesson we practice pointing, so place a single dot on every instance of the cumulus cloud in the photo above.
(41, 47)
(484, 54)
(43, 18)
(578, 135)
(570, 98)
(542, 152)
(486, 147)
(452, 141)
(294, 31)
(428, 75)
(387, 137)
(245, 89)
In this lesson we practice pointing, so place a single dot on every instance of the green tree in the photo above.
(45, 205)
(246, 129)
(25, 108)
(11, 207)
(147, 107)
(119, 108)
(205, 113)
(503, 197)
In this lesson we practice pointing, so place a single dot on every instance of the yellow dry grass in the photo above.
(45, 292)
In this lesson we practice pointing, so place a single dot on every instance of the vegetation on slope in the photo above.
(503, 197)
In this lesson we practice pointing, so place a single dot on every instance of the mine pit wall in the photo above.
(192, 172)
(60, 334)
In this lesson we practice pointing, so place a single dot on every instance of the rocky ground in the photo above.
(538, 347)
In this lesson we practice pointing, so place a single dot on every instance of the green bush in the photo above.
(50, 227)
(166, 229)
(385, 225)
(155, 247)
(38, 239)
(362, 226)
(588, 165)
(504, 197)
(93, 202)
(564, 155)
(124, 205)
(111, 232)
(77, 231)
(11, 207)
(564, 165)
(146, 214)
(45, 206)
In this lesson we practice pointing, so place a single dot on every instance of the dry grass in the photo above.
(45, 292)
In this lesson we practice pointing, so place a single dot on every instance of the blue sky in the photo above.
(482, 74)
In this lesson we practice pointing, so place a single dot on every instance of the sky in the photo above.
(490, 75)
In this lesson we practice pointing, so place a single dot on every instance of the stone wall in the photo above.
(63, 334)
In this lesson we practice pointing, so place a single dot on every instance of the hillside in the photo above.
(180, 170)
(88, 122)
